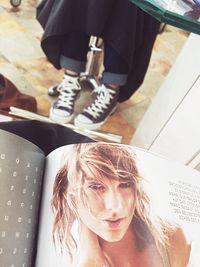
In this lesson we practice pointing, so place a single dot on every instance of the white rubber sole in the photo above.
(60, 119)
(91, 126)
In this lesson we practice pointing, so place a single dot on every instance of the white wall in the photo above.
(171, 125)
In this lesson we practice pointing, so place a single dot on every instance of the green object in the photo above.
(184, 14)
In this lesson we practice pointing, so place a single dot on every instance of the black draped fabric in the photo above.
(128, 29)
(47, 136)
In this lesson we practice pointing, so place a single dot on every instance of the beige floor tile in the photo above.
(134, 114)
(117, 124)
(11, 72)
(10, 26)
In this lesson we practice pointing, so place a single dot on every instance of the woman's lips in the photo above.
(113, 223)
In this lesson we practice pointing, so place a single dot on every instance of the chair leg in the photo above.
(94, 62)
(162, 28)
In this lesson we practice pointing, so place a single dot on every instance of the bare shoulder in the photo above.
(179, 248)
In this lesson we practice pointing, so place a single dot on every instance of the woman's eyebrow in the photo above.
(90, 179)
(126, 179)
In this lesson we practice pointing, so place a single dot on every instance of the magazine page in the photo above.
(21, 170)
(103, 200)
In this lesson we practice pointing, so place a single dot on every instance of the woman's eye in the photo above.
(96, 187)
(126, 185)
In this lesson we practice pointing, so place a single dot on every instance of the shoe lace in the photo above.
(101, 102)
(67, 89)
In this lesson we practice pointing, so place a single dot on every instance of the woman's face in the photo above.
(108, 207)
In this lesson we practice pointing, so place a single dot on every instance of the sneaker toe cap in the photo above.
(61, 112)
(83, 119)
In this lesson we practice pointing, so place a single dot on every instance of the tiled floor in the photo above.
(22, 61)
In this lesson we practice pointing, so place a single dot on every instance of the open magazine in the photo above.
(96, 204)
(184, 14)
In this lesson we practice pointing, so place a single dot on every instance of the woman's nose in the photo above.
(113, 201)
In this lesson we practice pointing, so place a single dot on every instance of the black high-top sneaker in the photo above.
(62, 110)
(103, 105)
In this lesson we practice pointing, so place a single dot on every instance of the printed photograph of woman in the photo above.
(100, 188)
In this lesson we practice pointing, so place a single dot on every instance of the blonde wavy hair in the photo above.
(109, 161)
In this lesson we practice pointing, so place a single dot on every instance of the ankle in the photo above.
(113, 86)
(71, 73)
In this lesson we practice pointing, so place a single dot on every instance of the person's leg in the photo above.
(115, 68)
(74, 52)
(106, 97)
(73, 60)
